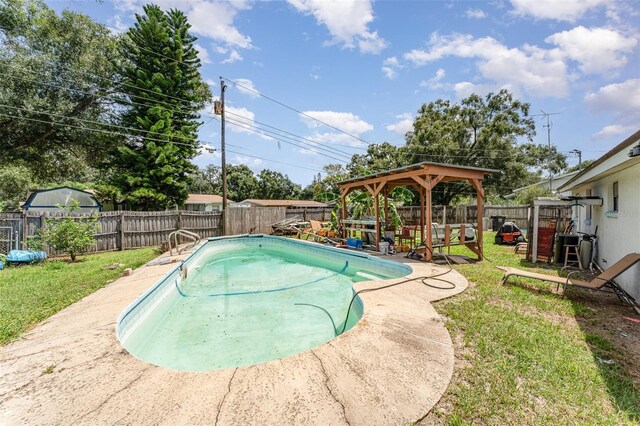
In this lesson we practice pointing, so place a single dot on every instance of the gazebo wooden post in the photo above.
(376, 204)
(385, 194)
(428, 255)
(477, 184)
(343, 200)
(422, 190)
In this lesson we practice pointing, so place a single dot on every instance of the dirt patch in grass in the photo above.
(608, 321)
(525, 355)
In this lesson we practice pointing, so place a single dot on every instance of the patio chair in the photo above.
(314, 231)
(407, 234)
(603, 282)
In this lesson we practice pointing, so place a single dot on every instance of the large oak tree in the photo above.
(55, 71)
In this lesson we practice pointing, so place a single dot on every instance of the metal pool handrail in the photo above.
(173, 237)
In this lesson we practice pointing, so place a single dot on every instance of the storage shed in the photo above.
(203, 203)
(48, 200)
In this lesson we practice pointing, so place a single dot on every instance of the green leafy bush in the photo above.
(68, 234)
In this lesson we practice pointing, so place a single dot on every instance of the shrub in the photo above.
(71, 235)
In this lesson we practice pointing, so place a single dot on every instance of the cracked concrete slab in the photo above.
(391, 368)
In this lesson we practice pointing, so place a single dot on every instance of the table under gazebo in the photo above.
(423, 177)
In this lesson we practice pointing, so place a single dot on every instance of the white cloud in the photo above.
(435, 81)
(210, 18)
(539, 72)
(464, 89)
(371, 43)
(116, 26)
(561, 10)
(246, 87)
(202, 54)
(598, 50)
(234, 56)
(620, 100)
(615, 130)
(390, 67)
(475, 14)
(207, 150)
(347, 21)
(241, 120)
(349, 123)
(345, 121)
(249, 161)
(127, 5)
(404, 125)
(215, 20)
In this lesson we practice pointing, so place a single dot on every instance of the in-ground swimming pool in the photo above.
(244, 300)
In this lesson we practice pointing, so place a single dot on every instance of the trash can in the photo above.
(384, 247)
(497, 222)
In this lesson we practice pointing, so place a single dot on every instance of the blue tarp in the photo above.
(1, 265)
(25, 256)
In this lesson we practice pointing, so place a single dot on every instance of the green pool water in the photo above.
(245, 304)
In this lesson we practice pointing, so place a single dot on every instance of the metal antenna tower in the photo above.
(547, 115)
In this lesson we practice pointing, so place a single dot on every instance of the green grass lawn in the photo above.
(527, 356)
(32, 293)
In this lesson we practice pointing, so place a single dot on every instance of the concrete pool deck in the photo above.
(391, 368)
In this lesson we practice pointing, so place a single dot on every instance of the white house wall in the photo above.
(618, 235)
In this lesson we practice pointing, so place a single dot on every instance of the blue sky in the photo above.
(366, 67)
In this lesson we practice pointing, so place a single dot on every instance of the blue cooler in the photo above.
(354, 243)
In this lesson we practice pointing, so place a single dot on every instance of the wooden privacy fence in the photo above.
(323, 214)
(121, 230)
(257, 220)
(410, 215)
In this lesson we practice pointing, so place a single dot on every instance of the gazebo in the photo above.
(423, 177)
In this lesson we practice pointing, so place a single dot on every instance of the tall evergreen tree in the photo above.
(159, 71)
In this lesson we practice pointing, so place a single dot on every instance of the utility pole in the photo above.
(579, 154)
(223, 87)
(548, 126)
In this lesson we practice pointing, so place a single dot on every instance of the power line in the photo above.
(275, 161)
(106, 94)
(89, 129)
(295, 110)
(104, 124)
(151, 139)
(110, 81)
(251, 129)
(296, 142)
(315, 143)
(289, 133)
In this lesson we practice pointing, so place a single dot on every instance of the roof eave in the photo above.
(631, 140)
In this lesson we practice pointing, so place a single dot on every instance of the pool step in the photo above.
(363, 276)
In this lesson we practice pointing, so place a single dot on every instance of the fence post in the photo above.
(179, 219)
(43, 226)
(24, 229)
(121, 230)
